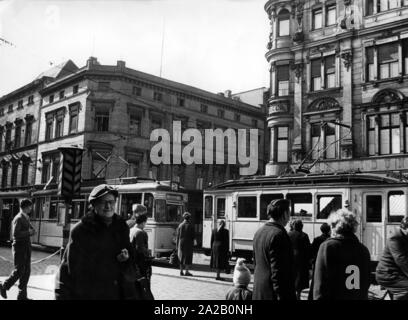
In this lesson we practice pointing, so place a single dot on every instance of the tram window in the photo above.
(53, 209)
(127, 201)
(265, 201)
(246, 207)
(396, 206)
(174, 212)
(374, 208)
(208, 207)
(148, 202)
(301, 204)
(220, 208)
(160, 215)
(328, 204)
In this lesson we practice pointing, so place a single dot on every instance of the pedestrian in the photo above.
(220, 249)
(301, 250)
(241, 279)
(22, 230)
(392, 269)
(342, 270)
(137, 208)
(97, 256)
(273, 256)
(184, 243)
(325, 229)
(139, 240)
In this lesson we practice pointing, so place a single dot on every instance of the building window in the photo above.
(75, 89)
(102, 120)
(55, 167)
(46, 166)
(8, 137)
(369, 7)
(48, 126)
(330, 72)
(388, 60)
(157, 96)
(10, 108)
(370, 67)
(137, 91)
(24, 173)
(384, 5)
(317, 19)
(20, 104)
(330, 141)
(180, 102)
(283, 23)
(62, 94)
(237, 117)
(371, 135)
(28, 133)
(316, 75)
(30, 100)
(73, 119)
(221, 113)
(103, 86)
(315, 135)
(59, 124)
(331, 15)
(17, 135)
(50, 168)
(389, 134)
(135, 122)
(51, 98)
(204, 108)
(254, 123)
(4, 176)
(282, 144)
(283, 80)
(14, 170)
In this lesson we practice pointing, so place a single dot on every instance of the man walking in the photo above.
(22, 230)
(273, 256)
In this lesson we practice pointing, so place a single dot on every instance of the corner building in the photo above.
(338, 86)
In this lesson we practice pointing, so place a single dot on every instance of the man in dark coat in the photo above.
(392, 269)
(97, 253)
(342, 270)
(22, 230)
(325, 229)
(185, 243)
(273, 256)
(301, 249)
(220, 249)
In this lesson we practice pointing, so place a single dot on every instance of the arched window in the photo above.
(283, 23)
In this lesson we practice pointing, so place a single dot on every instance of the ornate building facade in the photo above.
(338, 89)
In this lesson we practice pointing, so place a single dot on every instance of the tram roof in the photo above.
(313, 180)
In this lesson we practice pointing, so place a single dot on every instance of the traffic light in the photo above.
(69, 182)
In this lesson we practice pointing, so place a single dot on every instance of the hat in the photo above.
(242, 275)
(101, 190)
(139, 208)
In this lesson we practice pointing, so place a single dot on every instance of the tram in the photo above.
(379, 201)
(165, 204)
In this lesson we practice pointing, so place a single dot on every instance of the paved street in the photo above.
(166, 282)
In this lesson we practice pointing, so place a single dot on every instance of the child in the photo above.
(242, 277)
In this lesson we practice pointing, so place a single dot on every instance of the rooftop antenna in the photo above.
(162, 48)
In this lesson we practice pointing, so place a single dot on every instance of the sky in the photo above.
(215, 45)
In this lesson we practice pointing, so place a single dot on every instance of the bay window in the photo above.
(282, 144)
(283, 80)
(283, 23)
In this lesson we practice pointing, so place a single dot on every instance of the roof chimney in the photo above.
(121, 64)
(92, 61)
(227, 93)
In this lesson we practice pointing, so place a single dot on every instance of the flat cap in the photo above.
(101, 190)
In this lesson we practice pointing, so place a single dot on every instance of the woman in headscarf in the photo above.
(185, 243)
(220, 249)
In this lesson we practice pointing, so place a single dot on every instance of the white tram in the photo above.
(380, 203)
(164, 202)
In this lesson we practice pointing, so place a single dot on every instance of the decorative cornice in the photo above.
(347, 58)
